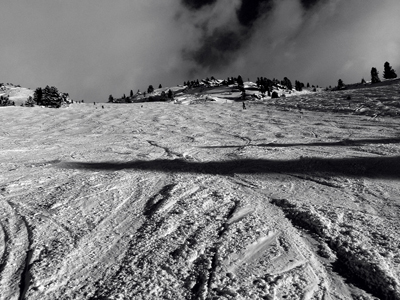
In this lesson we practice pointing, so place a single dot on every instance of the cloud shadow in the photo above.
(345, 142)
(377, 167)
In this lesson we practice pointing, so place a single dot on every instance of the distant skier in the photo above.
(244, 105)
(102, 106)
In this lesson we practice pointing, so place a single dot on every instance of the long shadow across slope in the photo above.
(378, 167)
(345, 142)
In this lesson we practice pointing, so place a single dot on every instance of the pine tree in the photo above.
(160, 86)
(287, 83)
(54, 91)
(388, 72)
(240, 81)
(110, 98)
(56, 99)
(50, 97)
(131, 94)
(37, 96)
(340, 84)
(46, 96)
(298, 86)
(374, 76)
(150, 89)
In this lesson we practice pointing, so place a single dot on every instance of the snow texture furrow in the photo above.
(369, 274)
(16, 251)
(155, 202)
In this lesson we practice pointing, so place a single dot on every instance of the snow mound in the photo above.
(16, 93)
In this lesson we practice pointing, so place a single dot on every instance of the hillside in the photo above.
(16, 93)
(213, 90)
(375, 100)
(291, 198)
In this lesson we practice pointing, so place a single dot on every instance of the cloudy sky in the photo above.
(94, 48)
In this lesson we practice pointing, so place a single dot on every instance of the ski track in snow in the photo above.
(130, 202)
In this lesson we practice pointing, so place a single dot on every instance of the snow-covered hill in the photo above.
(16, 94)
(209, 201)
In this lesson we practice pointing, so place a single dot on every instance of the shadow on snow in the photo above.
(342, 143)
(378, 167)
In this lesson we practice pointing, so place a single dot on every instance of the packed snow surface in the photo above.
(207, 201)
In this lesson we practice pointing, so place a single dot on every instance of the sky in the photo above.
(95, 48)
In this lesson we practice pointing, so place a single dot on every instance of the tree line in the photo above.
(143, 97)
(264, 84)
(49, 97)
(388, 73)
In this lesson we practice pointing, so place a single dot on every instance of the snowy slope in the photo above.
(166, 201)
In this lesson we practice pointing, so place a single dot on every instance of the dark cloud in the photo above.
(221, 41)
(250, 10)
(294, 38)
(217, 49)
(197, 4)
(308, 4)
